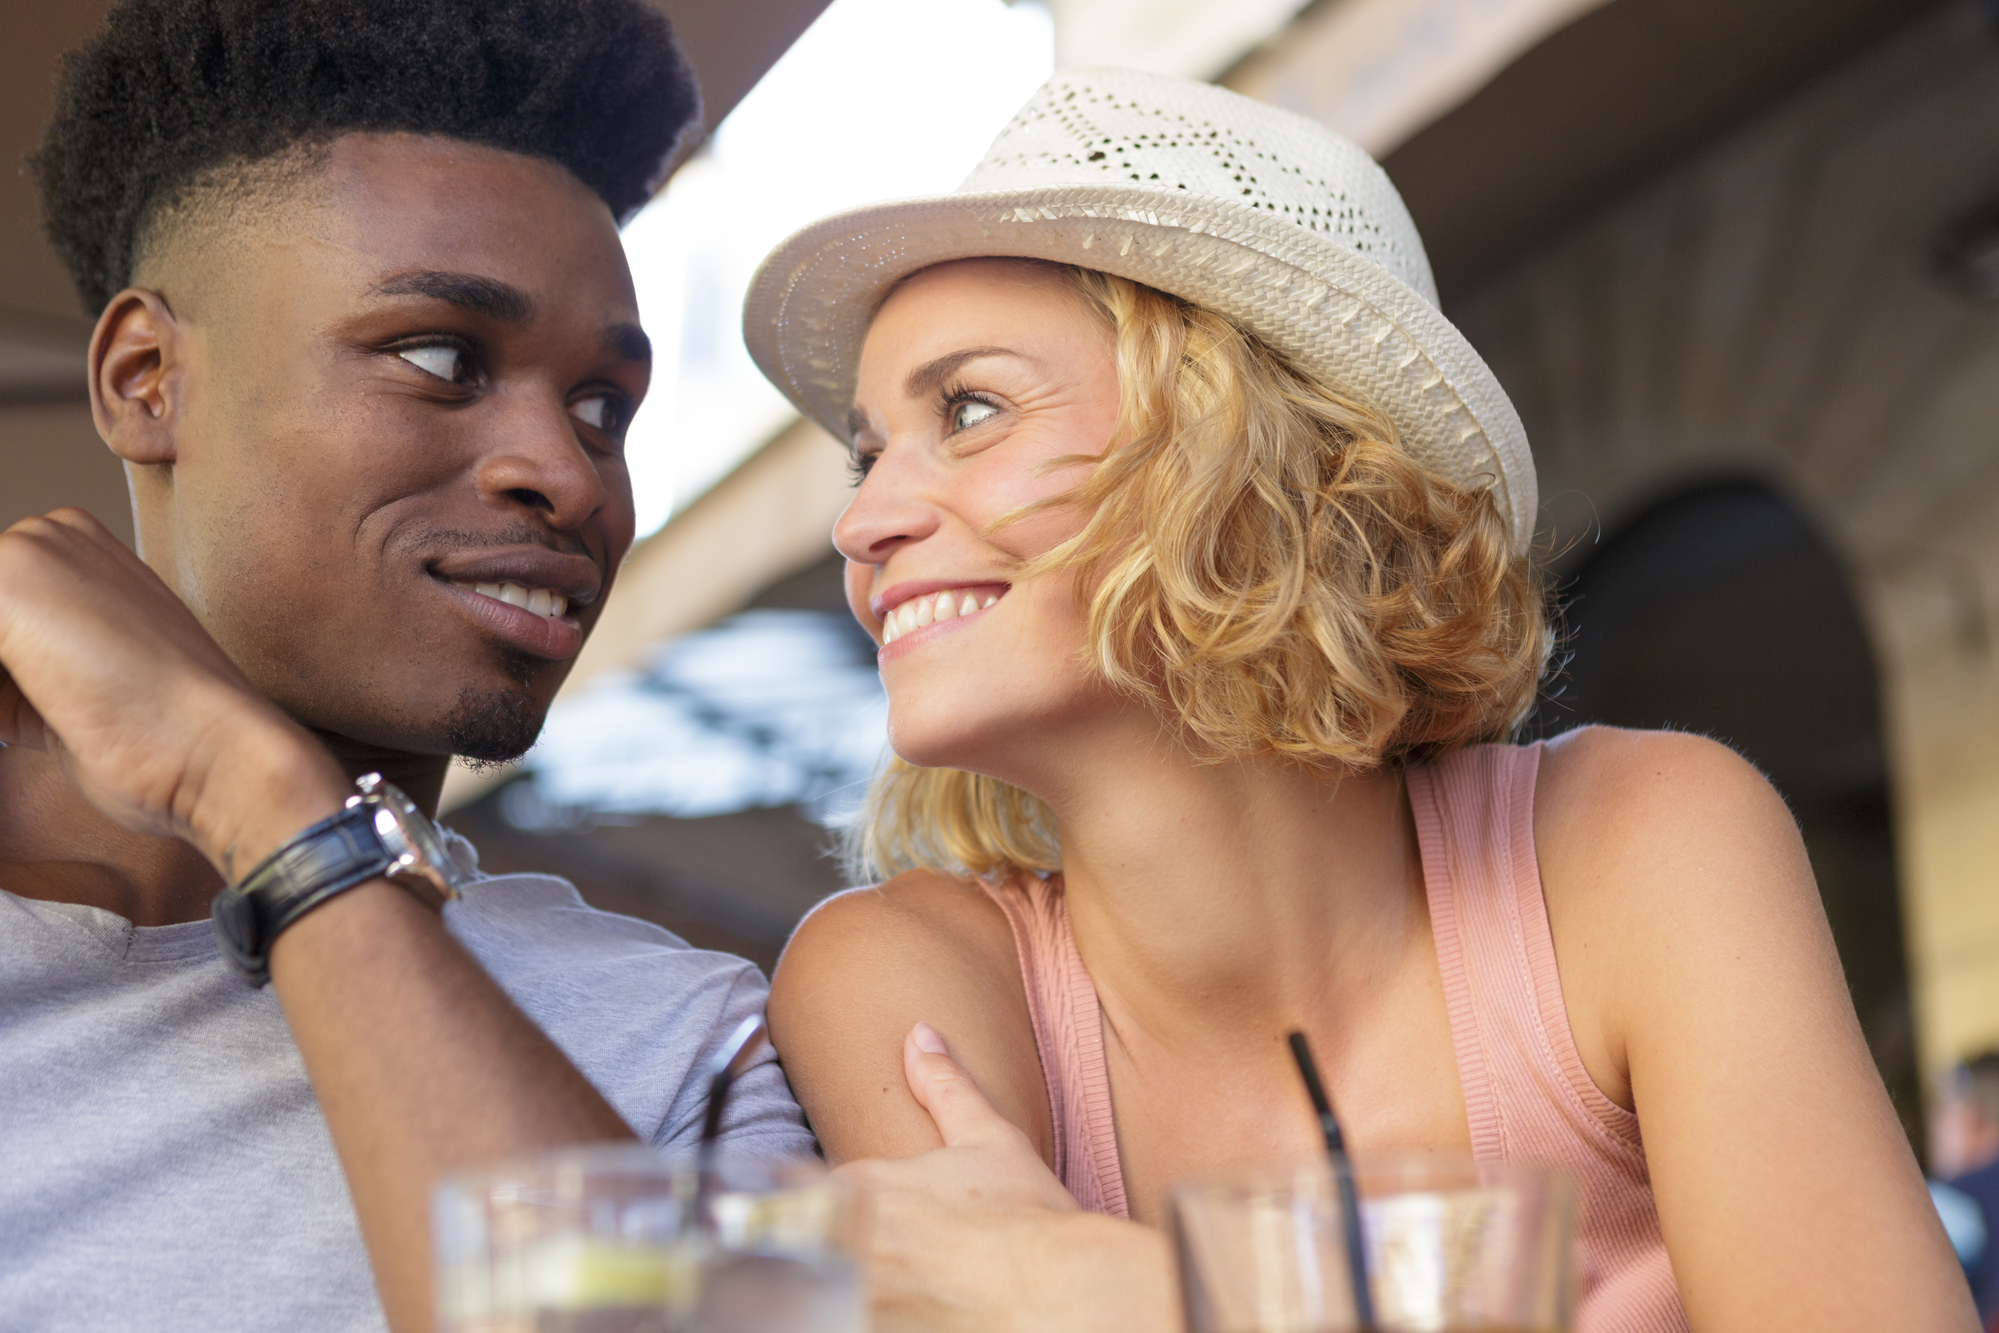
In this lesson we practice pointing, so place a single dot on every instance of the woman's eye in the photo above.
(970, 413)
(597, 410)
(437, 359)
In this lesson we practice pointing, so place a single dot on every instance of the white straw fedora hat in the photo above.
(1263, 216)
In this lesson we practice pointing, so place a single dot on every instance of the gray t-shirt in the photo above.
(164, 1165)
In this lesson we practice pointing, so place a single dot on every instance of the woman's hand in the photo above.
(979, 1234)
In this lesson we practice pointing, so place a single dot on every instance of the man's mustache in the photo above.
(435, 542)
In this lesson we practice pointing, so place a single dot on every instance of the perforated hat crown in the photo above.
(1266, 217)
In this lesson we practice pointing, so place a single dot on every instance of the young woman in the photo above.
(1196, 543)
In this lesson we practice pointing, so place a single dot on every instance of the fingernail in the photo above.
(927, 1039)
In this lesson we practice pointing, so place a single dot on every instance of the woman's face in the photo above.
(974, 376)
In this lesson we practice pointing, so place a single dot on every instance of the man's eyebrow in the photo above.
(923, 380)
(467, 291)
(628, 341)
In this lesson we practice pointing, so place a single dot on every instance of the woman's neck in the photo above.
(1214, 899)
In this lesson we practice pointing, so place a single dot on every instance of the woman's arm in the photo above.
(864, 969)
(979, 1236)
(1702, 976)
(951, 1142)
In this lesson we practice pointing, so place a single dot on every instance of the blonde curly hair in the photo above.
(1266, 567)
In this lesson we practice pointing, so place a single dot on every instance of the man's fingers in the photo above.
(20, 724)
(940, 1084)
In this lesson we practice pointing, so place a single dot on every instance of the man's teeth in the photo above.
(920, 611)
(538, 600)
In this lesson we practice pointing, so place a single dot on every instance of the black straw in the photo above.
(1336, 1152)
(729, 1064)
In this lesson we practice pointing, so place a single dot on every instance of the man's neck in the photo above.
(58, 847)
(420, 776)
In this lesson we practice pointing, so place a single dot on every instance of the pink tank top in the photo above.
(1527, 1096)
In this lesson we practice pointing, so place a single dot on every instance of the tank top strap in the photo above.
(1474, 814)
(1528, 1097)
(1069, 1035)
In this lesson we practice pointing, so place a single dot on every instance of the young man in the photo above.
(367, 346)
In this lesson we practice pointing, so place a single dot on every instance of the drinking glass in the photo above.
(1451, 1245)
(780, 1240)
(617, 1240)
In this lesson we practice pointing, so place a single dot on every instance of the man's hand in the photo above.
(979, 1234)
(103, 667)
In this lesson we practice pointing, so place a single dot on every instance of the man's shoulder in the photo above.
(635, 1007)
(531, 931)
(535, 922)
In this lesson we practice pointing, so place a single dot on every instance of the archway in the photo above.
(1721, 611)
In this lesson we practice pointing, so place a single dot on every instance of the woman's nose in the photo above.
(890, 510)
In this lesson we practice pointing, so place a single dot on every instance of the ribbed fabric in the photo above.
(1069, 1033)
(1528, 1097)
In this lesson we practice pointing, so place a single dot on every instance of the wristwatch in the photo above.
(378, 834)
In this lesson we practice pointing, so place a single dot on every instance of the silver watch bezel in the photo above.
(409, 836)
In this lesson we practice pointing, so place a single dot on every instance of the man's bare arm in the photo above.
(421, 1063)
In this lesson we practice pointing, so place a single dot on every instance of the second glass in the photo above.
(1451, 1245)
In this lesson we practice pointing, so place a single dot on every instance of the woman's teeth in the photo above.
(920, 611)
(538, 600)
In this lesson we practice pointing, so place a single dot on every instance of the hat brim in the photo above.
(1337, 316)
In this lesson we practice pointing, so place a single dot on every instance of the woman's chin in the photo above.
(920, 741)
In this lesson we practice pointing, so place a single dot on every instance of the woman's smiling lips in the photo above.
(911, 609)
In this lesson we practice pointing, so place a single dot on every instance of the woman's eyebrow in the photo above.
(923, 381)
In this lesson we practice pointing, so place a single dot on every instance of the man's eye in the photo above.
(970, 413)
(436, 359)
(602, 410)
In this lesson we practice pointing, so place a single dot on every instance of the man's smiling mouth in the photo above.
(540, 601)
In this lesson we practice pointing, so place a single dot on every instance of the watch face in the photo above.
(414, 838)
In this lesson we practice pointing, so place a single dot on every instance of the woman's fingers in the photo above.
(940, 1084)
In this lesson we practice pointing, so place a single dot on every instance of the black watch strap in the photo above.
(329, 858)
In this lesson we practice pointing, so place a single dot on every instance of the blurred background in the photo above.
(1736, 261)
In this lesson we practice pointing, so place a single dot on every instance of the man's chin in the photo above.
(493, 726)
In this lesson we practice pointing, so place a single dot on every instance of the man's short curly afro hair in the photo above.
(168, 92)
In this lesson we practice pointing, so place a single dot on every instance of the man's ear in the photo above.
(135, 376)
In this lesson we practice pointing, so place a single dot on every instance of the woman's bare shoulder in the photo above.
(1599, 763)
(919, 915)
(1658, 849)
(1639, 822)
(869, 964)
(1608, 795)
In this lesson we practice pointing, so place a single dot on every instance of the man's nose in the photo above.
(891, 509)
(538, 463)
